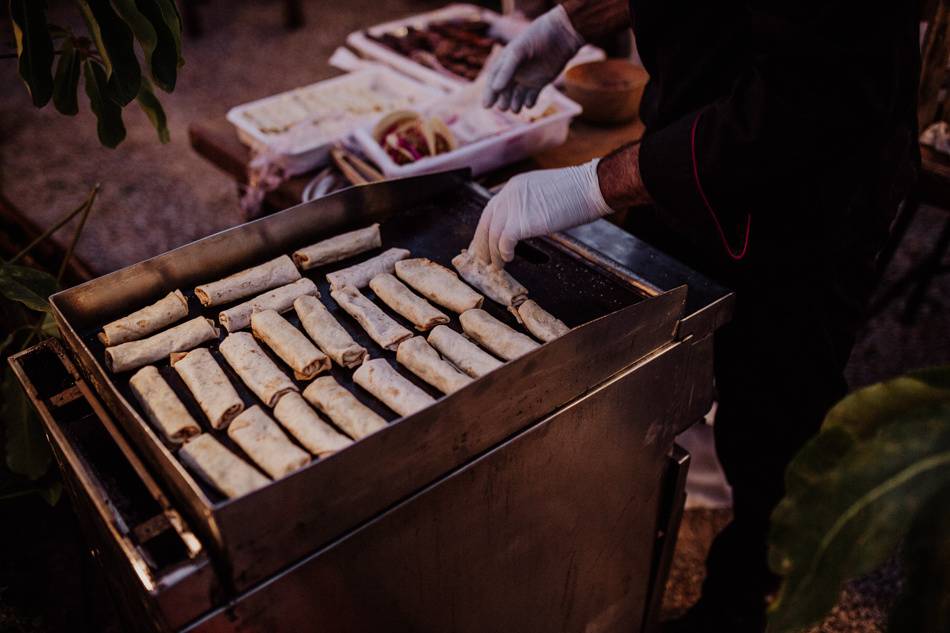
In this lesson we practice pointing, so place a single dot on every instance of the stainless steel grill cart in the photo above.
(544, 496)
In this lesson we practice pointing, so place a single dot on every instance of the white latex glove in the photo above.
(531, 61)
(538, 203)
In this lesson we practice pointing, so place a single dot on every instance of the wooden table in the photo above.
(216, 140)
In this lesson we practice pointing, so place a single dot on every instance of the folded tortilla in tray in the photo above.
(359, 275)
(209, 385)
(495, 336)
(255, 368)
(395, 391)
(318, 437)
(276, 272)
(338, 247)
(226, 472)
(162, 407)
(461, 352)
(333, 400)
(328, 334)
(438, 284)
(421, 359)
(406, 303)
(167, 310)
(279, 299)
(290, 344)
(380, 327)
(181, 338)
(541, 323)
(496, 283)
(266, 444)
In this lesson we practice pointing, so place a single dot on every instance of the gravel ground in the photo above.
(157, 197)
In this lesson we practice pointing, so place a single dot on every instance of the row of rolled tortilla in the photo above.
(270, 384)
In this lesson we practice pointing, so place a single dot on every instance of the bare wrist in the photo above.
(620, 181)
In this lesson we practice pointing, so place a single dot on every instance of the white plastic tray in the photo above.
(502, 26)
(301, 149)
(484, 155)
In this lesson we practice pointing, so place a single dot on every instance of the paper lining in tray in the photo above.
(300, 125)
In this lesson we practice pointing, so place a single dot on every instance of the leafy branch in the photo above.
(25, 307)
(105, 57)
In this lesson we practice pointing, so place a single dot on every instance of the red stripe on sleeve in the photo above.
(702, 194)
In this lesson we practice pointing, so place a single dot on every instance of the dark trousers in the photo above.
(779, 368)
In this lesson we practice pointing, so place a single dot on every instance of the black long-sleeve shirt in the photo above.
(779, 132)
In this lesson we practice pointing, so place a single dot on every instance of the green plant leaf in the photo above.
(923, 605)
(29, 286)
(27, 452)
(153, 109)
(108, 113)
(52, 492)
(860, 415)
(163, 63)
(845, 517)
(115, 44)
(34, 48)
(172, 18)
(66, 80)
(49, 327)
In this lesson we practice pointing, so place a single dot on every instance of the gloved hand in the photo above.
(531, 61)
(538, 203)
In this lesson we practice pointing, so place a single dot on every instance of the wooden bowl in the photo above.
(608, 90)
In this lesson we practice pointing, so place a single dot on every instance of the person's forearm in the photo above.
(619, 177)
(594, 19)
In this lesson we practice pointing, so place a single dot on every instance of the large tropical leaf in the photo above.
(108, 113)
(27, 452)
(164, 61)
(924, 603)
(115, 44)
(29, 286)
(66, 80)
(34, 48)
(855, 489)
(153, 109)
(860, 415)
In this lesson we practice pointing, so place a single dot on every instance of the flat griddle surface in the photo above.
(571, 289)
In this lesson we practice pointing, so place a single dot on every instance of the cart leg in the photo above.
(668, 526)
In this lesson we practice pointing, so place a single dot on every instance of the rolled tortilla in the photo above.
(317, 436)
(421, 359)
(279, 299)
(255, 368)
(162, 407)
(276, 272)
(379, 378)
(360, 274)
(167, 310)
(405, 302)
(496, 283)
(181, 338)
(290, 344)
(328, 334)
(380, 327)
(355, 418)
(209, 385)
(462, 353)
(541, 323)
(438, 284)
(339, 247)
(226, 472)
(495, 336)
(266, 444)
